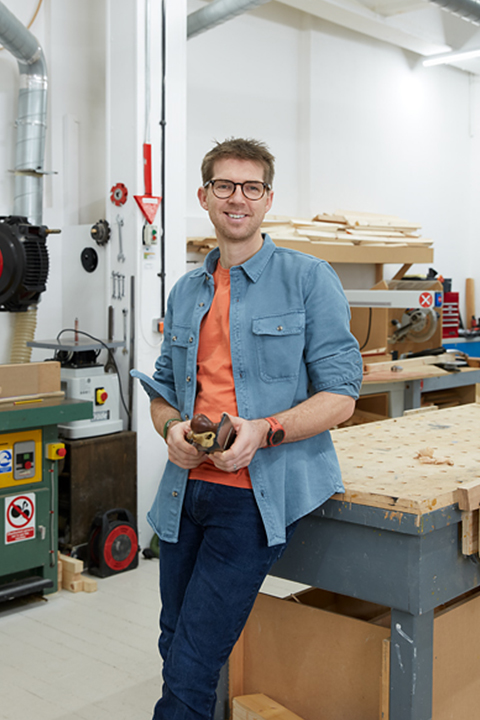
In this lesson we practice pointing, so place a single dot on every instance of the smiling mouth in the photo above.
(235, 217)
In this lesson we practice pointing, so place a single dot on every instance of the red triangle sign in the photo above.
(149, 205)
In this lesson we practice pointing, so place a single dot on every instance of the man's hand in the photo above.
(251, 435)
(181, 452)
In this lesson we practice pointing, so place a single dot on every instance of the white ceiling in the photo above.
(416, 25)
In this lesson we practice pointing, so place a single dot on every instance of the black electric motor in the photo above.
(23, 263)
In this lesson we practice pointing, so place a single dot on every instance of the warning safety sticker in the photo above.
(19, 518)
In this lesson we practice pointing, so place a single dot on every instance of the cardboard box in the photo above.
(29, 379)
(323, 655)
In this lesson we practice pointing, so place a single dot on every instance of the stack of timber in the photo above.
(343, 227)
(70, 575)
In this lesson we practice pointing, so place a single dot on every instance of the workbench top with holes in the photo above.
(414, 464)
(404, 534)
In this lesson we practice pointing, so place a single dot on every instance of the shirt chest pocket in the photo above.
(279, 343)
(181, 341)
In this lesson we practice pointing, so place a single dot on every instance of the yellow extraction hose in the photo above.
(25, 326)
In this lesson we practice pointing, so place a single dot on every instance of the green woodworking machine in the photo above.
(29, 455)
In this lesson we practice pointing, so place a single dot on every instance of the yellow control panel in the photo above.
(20, 458)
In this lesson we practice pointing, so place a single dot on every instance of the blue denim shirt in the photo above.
(290, 337)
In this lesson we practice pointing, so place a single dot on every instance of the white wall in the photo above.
(354, 123)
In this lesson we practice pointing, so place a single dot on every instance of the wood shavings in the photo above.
(426, 457)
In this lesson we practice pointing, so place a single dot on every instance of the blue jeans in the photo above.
(209, 580)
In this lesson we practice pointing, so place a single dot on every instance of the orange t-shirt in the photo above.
(215, 384)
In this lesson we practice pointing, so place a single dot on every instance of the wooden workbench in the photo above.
(395, 536)
(405, 389)
(381, 468)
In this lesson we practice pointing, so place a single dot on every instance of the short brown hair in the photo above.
(243, 150)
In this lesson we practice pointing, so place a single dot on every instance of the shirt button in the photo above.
(187, 417)
(190, 339)
(280, 328)
(201, 304)
(175, 493)
(174, 338)
(188, 378)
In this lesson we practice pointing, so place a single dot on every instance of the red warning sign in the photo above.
(425, 300)
(19, 518)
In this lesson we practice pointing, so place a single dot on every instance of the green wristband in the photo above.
(167, 425)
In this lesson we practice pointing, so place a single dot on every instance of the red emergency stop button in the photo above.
(101, 396)
(55, 451)
(27, 465)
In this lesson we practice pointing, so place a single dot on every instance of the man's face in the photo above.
(236, 218)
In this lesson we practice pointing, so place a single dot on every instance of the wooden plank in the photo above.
(36, 398)
(236, 669)
(385, 684)
(37, 379)
(89, 584)
(260, 707)
(70, 564)
(468, 496)
(358, 254)
(470, 529)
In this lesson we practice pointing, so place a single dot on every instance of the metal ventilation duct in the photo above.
(466, 9)
(31, 117)
(217, 12)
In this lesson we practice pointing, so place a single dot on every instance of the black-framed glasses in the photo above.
(251, 189)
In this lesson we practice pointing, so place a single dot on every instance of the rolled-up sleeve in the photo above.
(332, 355)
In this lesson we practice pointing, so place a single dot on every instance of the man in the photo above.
(261, 333)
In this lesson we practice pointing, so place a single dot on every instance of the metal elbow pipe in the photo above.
(31, 117)
(217, 12)
(467, 9)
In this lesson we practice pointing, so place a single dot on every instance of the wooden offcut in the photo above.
(34, 381)
(260, 707)
(71, 575)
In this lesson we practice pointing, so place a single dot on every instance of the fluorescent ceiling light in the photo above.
(451, 57)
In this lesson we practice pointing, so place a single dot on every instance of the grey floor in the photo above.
(87, 656)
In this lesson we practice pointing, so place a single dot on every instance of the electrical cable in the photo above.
(111, 356)
(368, 329)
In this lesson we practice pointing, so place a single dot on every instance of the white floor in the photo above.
(87, 656)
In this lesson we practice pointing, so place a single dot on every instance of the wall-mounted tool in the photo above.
(118, 285)
(100, 232)
(118, 194)
(120, 256)
(89, 259)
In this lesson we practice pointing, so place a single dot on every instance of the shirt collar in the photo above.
(253, 267)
